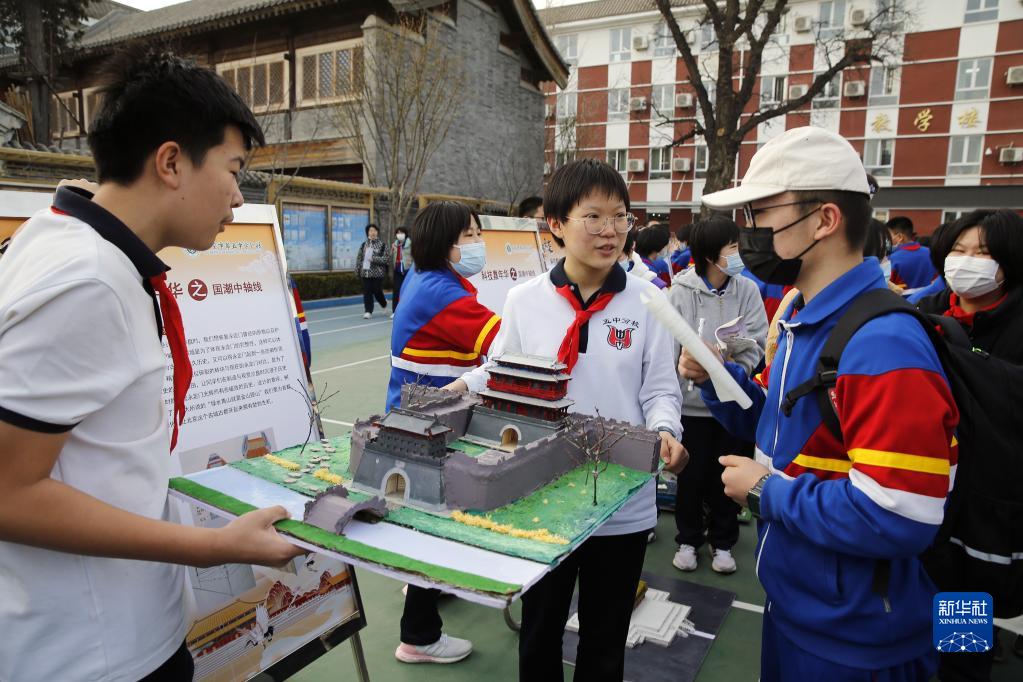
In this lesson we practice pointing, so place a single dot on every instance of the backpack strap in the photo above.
(873, 303)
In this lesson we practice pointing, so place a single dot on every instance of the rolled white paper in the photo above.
(724, 385)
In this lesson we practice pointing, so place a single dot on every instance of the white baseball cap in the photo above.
(800, 159)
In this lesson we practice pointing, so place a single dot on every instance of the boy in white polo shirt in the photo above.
(587, 313)
(89, 564)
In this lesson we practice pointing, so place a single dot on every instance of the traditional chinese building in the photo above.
(527, 386)
(938, 123)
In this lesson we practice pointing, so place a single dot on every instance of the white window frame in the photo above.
(620, 44)
(69, 100)
(949, 215)
(662, 99)
(618, 159)
(251, 62)
(707, 37)
(884, 85)
(701, 160)
(660, 163)
(619, 97)
(825, 101)
(563, 156)
(873, 154)
(980, 10)
(975, 90)
(568, 46)
(664, 42)
(963, 164)
(889, 13)
(567, 105)
(300, 54)
(769, 89)
(834, 23)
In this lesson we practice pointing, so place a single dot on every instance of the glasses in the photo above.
(594, 225)
(751, 213)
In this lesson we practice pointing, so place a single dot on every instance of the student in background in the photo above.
(587, 313)
(372, 262)
(709, 295)
(651, 242)
(440, 331)
(939, 284)
(401, 252)
(88, 559)
(634, 265)
(911, 263)
(531, 207)
(680, 255)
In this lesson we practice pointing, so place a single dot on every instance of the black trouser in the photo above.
(966, 667)
(420, 621)
(175, 669)
(399, 277)
(373, 287)
(700, 482)
(608, 568)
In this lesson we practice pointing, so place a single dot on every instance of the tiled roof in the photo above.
(602, 8)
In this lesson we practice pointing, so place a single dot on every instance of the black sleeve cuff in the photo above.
(30, 424)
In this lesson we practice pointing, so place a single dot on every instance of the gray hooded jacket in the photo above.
(691, 297)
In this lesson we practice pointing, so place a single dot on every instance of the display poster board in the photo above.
(513, 256)
(248, 397)
(347, 232)
(549, 249)
(305, 236)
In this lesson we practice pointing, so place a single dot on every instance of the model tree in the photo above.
(594, 443)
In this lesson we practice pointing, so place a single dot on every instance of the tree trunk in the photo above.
(38, 63)
(722, 156)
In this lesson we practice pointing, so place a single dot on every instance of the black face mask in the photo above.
(756, 248)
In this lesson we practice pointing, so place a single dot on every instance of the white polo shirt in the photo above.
(80, 352)
(626, 366)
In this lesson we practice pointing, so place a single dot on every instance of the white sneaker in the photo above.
(392, 316)
(685, 558)
(444, 650)
(723, 561)
(366, 316)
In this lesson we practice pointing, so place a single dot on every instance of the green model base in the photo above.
(564, 507)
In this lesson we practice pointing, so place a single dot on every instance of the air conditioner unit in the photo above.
(640, 43)
(803, 24)
(683, 100)
(636, 165)
(858, 17)
(548, 111)
(637, 103)
(1014, 76)
(1006, 155)
(683, 165)
(854, 88)
(797, 91)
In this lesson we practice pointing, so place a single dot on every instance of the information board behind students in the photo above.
(87, 555)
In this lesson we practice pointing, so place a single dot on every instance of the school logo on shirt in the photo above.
(619, 337)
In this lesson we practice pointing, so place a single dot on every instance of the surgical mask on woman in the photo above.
(733, 266)
(970, 277)
(473, 259)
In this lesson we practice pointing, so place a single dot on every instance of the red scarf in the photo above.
(568, 353)
(175, 332)
(961, 316)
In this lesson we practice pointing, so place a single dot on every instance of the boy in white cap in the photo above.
(841, 521)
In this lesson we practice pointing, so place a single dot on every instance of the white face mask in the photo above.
(734, 265)
(970, 277)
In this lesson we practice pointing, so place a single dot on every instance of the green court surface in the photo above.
(351, 356)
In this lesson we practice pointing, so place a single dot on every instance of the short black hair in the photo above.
(1001, 233)
(528, 206)
(708, 237)
(375, 227)
(577, 179)
(901, 224)
(879, 241)
(938, 263)
(855, 209)
(652, 238)
(683, 233)
(151, 97)
(630, 242)
(436, 229)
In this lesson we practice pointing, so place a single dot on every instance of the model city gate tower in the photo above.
(522, 421)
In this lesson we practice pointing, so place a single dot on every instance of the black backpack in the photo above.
(979, 547)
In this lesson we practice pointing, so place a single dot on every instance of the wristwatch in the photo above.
(753, 496)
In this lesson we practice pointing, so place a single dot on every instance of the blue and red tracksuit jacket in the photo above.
(680, 260)
(440, 331)
(911, 265)
(836, 508)
(770, 294)
(659, 268)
